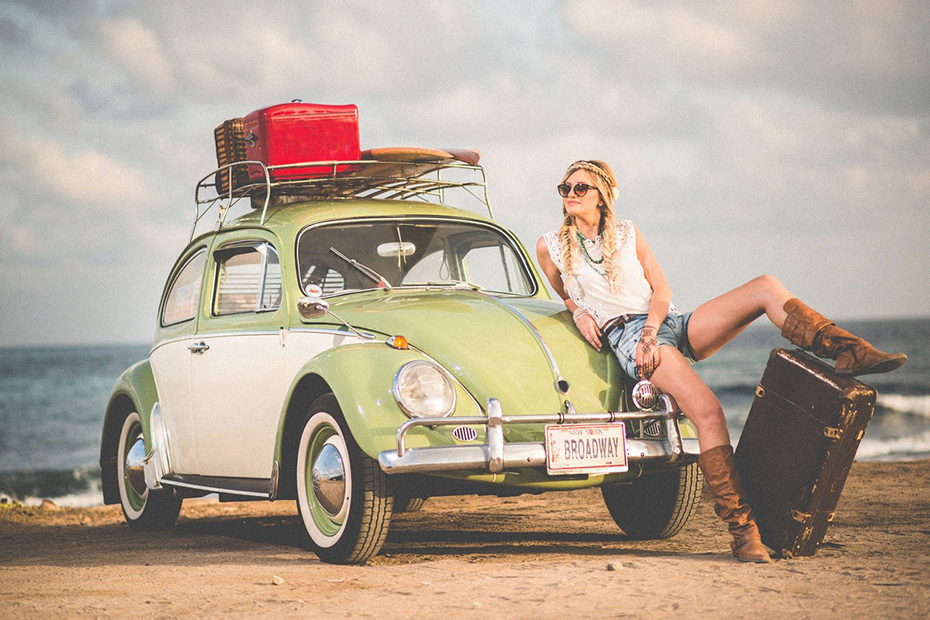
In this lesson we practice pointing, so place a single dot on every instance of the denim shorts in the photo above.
(673, 332)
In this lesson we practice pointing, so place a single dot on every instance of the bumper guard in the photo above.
(497, 455)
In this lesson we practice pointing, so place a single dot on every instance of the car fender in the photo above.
(361, 376)
(135, 390)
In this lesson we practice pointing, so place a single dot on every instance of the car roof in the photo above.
(287, 219)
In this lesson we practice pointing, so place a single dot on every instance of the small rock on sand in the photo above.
(275, 580)
(614, 566)
(48, 504)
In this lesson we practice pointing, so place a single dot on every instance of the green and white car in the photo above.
(356, 343)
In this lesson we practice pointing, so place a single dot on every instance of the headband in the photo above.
(585, 165)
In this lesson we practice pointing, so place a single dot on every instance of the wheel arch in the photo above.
(306, 390)
(134, 391)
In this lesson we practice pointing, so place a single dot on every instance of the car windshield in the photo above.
(411, 253)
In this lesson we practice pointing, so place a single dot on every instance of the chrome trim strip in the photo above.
(201, 335)
(560, 383)
(324, 330)
(211, 489)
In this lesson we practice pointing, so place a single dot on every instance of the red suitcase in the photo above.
(797, 447)
(292, 133)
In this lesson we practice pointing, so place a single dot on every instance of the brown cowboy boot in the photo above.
(816, 333)
(730, 505)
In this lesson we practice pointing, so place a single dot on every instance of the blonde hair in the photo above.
(606, 184)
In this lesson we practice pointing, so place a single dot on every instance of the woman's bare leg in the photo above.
(676, 377)
(720, 320)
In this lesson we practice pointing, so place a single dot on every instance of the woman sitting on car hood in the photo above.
(618, 295)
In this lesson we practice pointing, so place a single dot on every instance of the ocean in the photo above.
(52, 401)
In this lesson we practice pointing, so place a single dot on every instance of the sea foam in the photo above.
(913, 404)
(897, 448)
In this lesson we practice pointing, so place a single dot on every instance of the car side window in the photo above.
(184, 293)
(248, 279)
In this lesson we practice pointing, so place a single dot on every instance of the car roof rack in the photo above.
(395, 173)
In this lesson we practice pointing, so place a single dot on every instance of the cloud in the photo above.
(744, 135)
(861, 56)
(665, 38)
(137, 50)
(85, 177)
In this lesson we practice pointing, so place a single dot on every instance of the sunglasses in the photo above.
(580, 189)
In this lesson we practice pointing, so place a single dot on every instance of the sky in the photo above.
(790, 138)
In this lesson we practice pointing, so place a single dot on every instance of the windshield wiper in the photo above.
(368, 271)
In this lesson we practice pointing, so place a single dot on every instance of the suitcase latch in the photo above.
(760, 391)
(831, 432)
(799, 516)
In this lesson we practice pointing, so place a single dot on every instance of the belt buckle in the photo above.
(613, 324)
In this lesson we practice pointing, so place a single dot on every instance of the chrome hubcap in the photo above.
(134, 467)
(329, 480)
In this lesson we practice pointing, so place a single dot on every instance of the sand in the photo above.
(470, 557)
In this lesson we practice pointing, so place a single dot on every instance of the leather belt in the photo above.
(614, 323)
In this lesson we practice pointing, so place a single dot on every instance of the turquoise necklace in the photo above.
(587, 257)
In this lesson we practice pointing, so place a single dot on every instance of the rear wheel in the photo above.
(657, 505)
(343, 497)
(144, 508)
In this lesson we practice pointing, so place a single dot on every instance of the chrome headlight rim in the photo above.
(408, 411)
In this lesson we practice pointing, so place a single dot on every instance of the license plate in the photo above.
(586, 448)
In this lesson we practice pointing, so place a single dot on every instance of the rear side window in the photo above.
(184, 294)
(248, 279)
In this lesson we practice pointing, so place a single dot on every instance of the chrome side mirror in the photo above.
(311, 307)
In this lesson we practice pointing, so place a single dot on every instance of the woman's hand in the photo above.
(588, 328)
(647, 353)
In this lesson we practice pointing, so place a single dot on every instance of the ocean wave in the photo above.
(897, 448)
(904, 403)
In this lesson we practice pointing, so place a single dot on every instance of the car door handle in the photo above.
(198, 347)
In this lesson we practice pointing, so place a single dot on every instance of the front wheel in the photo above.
(145, 509)
(656, 505)
(343, 497)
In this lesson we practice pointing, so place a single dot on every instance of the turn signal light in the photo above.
(398, 342)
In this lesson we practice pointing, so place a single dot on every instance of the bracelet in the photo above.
(578, 313)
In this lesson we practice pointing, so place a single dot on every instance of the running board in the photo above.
(247, 487)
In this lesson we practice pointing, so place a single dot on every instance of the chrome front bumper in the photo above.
(497, 455)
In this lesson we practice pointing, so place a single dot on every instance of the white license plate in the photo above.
(586, 448)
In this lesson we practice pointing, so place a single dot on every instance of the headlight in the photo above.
(423, 390)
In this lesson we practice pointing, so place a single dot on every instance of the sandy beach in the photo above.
(548, 556)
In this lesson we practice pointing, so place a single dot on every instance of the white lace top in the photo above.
(589, 288)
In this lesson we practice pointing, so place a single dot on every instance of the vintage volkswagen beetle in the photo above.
(357, 344)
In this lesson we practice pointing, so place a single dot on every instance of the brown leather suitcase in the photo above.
(230, 147)
(797, 447)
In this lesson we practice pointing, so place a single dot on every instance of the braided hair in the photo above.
(606, 184)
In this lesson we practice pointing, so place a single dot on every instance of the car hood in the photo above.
(486, 343)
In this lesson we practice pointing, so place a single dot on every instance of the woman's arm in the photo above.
(583, 321)
(647, 351)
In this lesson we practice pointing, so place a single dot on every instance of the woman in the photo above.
(618, 295)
